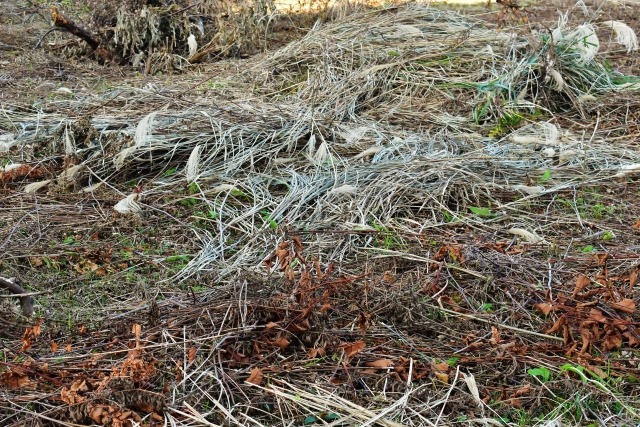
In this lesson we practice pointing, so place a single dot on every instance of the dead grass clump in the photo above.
(432, 67)
(164, 36)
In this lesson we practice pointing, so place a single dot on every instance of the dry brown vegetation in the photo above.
(399, 216)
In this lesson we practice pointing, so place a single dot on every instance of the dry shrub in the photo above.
(160, 30)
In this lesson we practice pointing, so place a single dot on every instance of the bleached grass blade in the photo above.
(35, 186)
(193, 164)
(624, 34)
(128, 205)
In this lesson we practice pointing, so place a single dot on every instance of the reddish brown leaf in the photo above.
(14, 380)
(326, 306)
(179, 373)
(524, 390)
(363, 322)
(632, 339)
(544, 307)
(255, 377)
(67, 348)
(596, 315)
(297, 243)
(556, 326)
(79, 385)
(441, 367)
(626, 305)
(601, 258)
(513, 402)
(380, 363)
(54, 347)
(495, 335)
(191, 355)
(388, 277)
(351, 349)
(581, 282)
(317, 352)
(612, 340)
(271, 325)
(281, 342)
(26, 343)
(633, 279)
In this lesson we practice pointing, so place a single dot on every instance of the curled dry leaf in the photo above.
(544, 307)
(14, 380)
(495, 335)
(317, 352)
(281, 342)
(581, 282)
(626, 305)
(255, 377)
(441, 367)
(191, 355)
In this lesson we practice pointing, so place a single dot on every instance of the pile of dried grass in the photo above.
(326, 149)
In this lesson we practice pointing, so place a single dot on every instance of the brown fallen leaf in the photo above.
(442, 377)
(317, 352)
(441, 367)
(351, 349)
(626, 305)
(544, 307)
(581, 282)
(281, 342)
(526, 389)
(255, 377)
(633, 279)
(380, 364)
(191, 355)
(14, 380)
(495, 335)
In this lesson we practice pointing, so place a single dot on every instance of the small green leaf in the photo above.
(310, 420)
(481, 212)
(543, 373)
(546, 176)
(169, 172)
(488, 307)
(453, 361)
(331, 417)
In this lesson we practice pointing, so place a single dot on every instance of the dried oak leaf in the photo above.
(255, 377)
